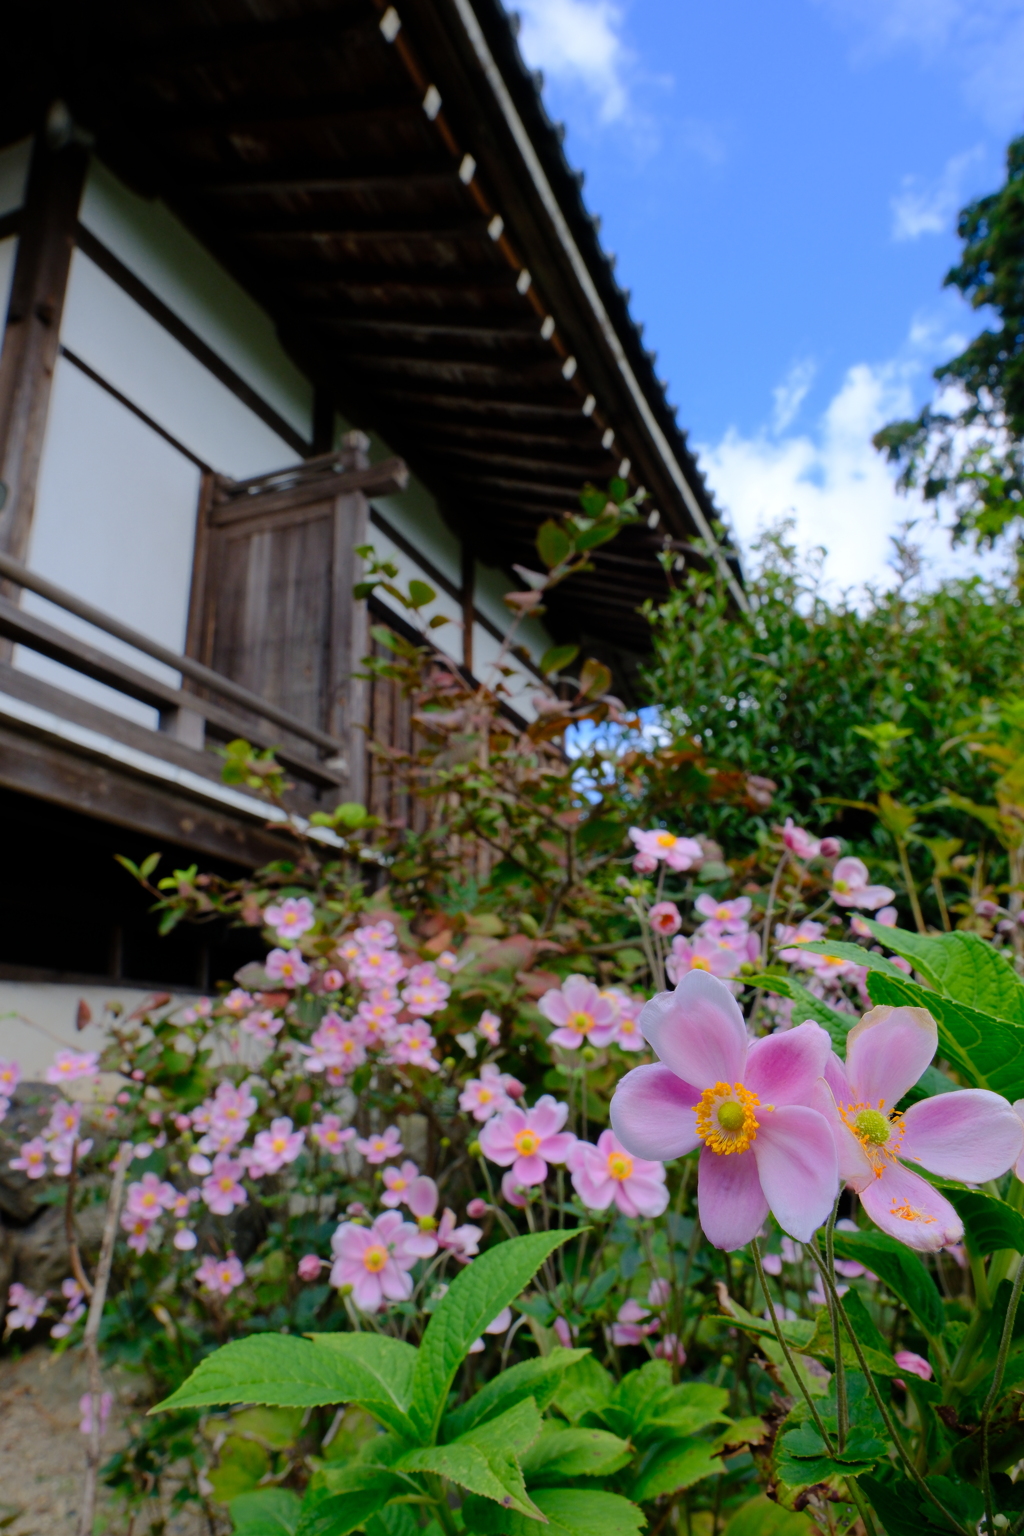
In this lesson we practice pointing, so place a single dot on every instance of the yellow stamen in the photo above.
(526, 1143)
(906, 1212)
(582, 1023)
(620, 1165)
(698, 963)
(725, 1117)
(665, 840)
(375, 1257)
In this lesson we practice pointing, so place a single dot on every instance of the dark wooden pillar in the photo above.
(32, 334)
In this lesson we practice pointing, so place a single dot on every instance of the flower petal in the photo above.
(730, 1202)
(971, 1135)
(547, 1116)
(907, 1207)
(783, 1068)
(652, 1113)
(530, 1170)
(795, 1153)
(887, 1052)
(698, 1031)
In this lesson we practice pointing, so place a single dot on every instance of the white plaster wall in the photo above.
(37, 1019)
(14, 159)
(158, 249)
(114, 523)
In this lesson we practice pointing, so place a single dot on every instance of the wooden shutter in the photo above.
(272, 594)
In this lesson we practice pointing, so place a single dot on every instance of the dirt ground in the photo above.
(42, 1453)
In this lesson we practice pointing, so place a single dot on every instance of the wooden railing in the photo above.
(185, 715)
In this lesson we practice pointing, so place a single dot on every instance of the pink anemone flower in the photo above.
(664, 918)
(290, 918)
(485, 1095)
(747, 1105)
(582, 1014)
(396, 1183)
(607, 1173)
(702, 954)
(971, 1134)
(631, 1325)
(374, 1261)
(526, 1140)
(679, 853)
(850, 887)
(729, 916)
(378, 1148)
(272, 1149)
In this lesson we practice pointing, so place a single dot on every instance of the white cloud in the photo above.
(928, 208)
(982, 40)
(789, 395)
(831, 481)
(579, 42)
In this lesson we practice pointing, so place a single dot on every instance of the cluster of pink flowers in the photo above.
(219, 1277)
(223, 1121)
(806, 846)
(634, 1323)
(585, 1015)
(490, 1093)
(721, 943)
(781, 1121)
(26, 1307)
(655, 846)
(69, 1065)
(10, 1077)
(74, 1308)
(58, 1141)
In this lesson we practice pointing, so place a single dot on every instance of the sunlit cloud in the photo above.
(929, 208)
(790, 394)
(579, 42)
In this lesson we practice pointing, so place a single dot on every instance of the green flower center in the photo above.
(873, 1126)
(731, 1116)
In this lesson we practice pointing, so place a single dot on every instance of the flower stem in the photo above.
(887, 1418)
(997, 1381)
(787, 1352)
(842, 1402)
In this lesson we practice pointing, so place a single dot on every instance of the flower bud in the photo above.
(477, 1208)
(309, 1266)
(474, 1149)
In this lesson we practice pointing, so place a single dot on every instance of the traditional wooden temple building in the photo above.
(280, 278)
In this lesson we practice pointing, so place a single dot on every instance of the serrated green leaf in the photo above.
(808, 1006)
(539, 1379)
(853, 954)
(688, 1407)
(338, 1514)
(490, 1475)
(511, 1433)
(986, 1051)
(553, 543)
(286, 1372)
(476, 1296)
(266, 1512)
(569, 1512)
(675, 1466)
(989, 1223)
(961, 966)
(562, 1452)
(876, 1352)
(389, 1364)
(586, 1388)
(558, 658)
(241, 1464)
(900, 1269)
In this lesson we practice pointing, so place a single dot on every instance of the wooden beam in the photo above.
(394, 174)
(32, 333)
(267, 224)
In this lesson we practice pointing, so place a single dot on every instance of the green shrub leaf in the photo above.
(539, 1379)
(266, 1512)
(677, 1465)
(900, 1269)
(568, 1511)
(561, 1452)
(476, 1297)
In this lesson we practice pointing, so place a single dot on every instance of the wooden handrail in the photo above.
(206, 677)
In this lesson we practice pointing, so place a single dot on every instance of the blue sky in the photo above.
(780, 184)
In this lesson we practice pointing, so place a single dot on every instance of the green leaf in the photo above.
(276, 1428)
(511, 1433)
(558, 658)
(618, 489)
(586, 1388)
(553, 544)
(915, 947)
(686, 1408)
(420, 594)
(148, 865)
(900, 1269)
(569, 1512)
(241, 1464)
(386, 1368)
(540, 1379)
(987, 1052)
(764, 1517)
(287, 1372)
(876, 1352)
(677, 1465)
(266, 1512)
(808, 1006)
(491, 1476)
(595, 678)
(476, 1296)
(989, 1223)
(340, 1513)
(963, 967)
(561, 1452)
(598, 533)
(853, 954)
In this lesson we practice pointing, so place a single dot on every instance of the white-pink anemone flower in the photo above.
(290, 918)
(485, 1095)
(220, 1277)
(463, 1242)
(379, 1147)
(68, 1065)
(287, 967)
(608, 1172)
(679, 853)
(747, 1105)
(799, 841)
(631, 1325)
(582, 1014)
(10, 1077)
(970, 1134)
(701, 954)
(850, 887)
(32, 1159)
(526, 1140)
(272, 1149)
(413, 1046)
(729, 916)
(396, 1183)
(330, 1134)
(26, 1307)
(374, 1261)
(221, 1188)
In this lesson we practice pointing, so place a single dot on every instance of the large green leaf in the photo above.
(686, 1408)
(475, 1298)
(286, 1372)
(853, 954)
(539, 1379)
(677, 1465)
(512, 1432)
(339, 1514)
(900, 1269)
(389, 1365)
(266, 1512)
(876, 1352)
(585, 1388)
(561, 1452)
(986, 1051)
(764, 1517)
(807, 1006)
(963, 967)
(569, 1512)
(989, 1223)
(491, 1476)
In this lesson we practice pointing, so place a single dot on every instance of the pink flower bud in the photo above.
(357, 1208)
(477, 1208)
(831, 847)
(514, 1089)
(645, 864)
(310, 1267)
(182, 1123)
